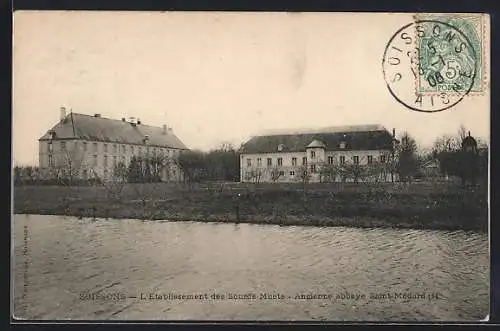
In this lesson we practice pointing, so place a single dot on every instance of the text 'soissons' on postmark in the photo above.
(430, 65)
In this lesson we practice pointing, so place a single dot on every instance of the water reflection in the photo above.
(70, 256)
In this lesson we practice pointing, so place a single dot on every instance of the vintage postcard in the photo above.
(244, 166)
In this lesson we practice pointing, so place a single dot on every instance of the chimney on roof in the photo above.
(164, 129)
(393, 133)
(62, 113)
(138, 121)
(97, 115)
(123, 119)
(469, 133)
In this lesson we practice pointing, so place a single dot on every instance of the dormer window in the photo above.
(281, 147)
(342, 145)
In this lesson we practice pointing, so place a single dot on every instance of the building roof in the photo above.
(87, 127)
(316, 143)
(363, 137)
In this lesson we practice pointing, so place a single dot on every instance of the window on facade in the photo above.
(282, 173)
(342, 145)
(105, 173)
(95, 147)
(304, 160)
(114, 148)
(249, 162)
(105, 160)
(369, 159)
(49, 147)
(84, 146)
(313, 168)
(330, 160)
(123, 159)
(63, 145)
(95, 160)
(355, 159)
(280, 161)
(51, 160)
(342, 159)
(114, 161)
(123, 148)
(84, 173)
(132, 149)
(259, 161)
(294, 161)
(382, 158)
(105, 148)
(292, 173)
(269, 161)
(313, 154)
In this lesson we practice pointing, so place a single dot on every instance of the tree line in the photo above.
(223, 164)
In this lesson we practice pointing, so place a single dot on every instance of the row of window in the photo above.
(115, 159)
(85, 174)
(116, 149)
(355, 160)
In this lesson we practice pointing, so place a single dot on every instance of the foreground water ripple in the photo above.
(65, 258)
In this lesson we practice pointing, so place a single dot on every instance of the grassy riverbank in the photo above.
(420, 205)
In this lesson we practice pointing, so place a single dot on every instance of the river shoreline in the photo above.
(461, 210)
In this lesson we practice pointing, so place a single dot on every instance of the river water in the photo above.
(69, 268)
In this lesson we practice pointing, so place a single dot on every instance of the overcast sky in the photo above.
(215, 77)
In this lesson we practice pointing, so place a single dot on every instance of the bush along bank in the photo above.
(449, 211)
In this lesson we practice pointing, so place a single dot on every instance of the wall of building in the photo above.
(252, 171)
(91, 158)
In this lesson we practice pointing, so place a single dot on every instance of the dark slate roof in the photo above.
(93, 128)
(365, 137)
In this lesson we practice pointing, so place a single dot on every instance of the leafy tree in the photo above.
(193, 165)
(454, 162)
(223, 163)
(134, 173)
(407, 164)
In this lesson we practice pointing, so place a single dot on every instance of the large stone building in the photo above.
(348, 153)
(89, 146)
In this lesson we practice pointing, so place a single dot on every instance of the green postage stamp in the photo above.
(453, 57)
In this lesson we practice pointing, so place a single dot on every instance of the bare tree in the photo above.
(116, 183)
(328, 172)
(275, 173)
(304, 175)
(352, 170)
(67, 164)
(157, 162)
(254, 175)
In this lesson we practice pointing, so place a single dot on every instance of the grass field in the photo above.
(439, 205)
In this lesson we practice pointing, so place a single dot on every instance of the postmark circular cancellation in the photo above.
(430, 65)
